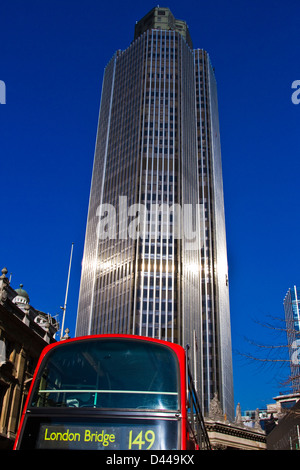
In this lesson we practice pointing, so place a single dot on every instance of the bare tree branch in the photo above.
(274, 354)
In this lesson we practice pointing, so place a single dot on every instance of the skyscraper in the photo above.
(292, 317)
(155, 260)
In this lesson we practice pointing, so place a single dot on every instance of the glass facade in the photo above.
(292, 317)
(155, 261)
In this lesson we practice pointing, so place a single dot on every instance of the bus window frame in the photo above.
(181, 414)
(90, 339)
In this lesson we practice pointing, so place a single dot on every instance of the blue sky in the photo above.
(53, 54)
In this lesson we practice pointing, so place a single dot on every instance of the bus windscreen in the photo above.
(108, 374)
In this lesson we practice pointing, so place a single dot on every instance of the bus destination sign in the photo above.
(117, 437)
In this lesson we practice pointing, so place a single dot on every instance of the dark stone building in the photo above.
(24, 332)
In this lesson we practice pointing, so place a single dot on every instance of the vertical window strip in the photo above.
(138, 277)
(166, 171)
(102, 185)
(174, 157)
(200, 84)
(208, 256)
(163, 295)
(151, 119)
(158, 237)
(177, 72)
(144, 170)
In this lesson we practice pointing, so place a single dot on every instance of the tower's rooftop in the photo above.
(162, 18)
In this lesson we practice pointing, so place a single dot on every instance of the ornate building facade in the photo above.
(24, 332)
(225, 434)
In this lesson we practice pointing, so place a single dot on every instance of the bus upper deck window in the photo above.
(109, 374)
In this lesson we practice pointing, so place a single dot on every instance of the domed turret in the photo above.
(22, 297)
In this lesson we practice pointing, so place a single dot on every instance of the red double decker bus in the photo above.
(112, 392)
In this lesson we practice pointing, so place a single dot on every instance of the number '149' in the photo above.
(140, 440)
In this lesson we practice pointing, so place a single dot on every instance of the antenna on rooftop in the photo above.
(64, 308)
